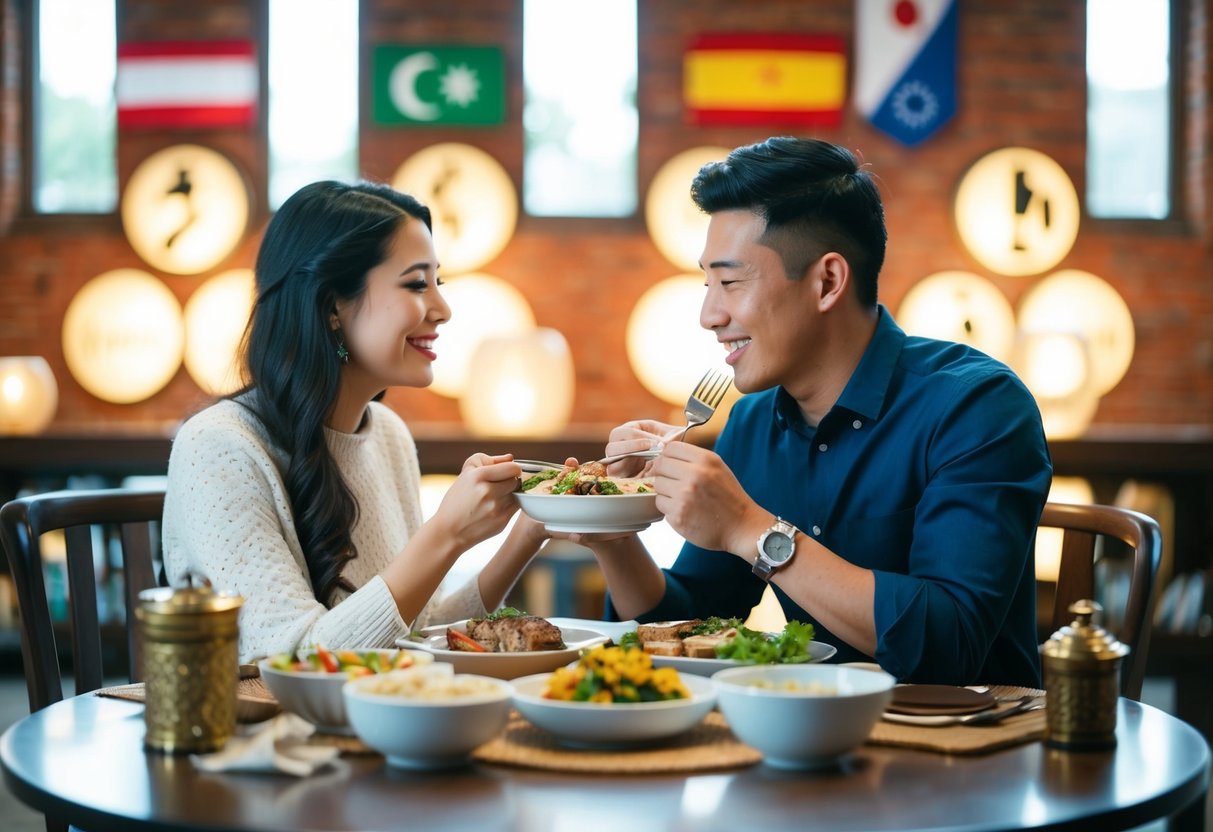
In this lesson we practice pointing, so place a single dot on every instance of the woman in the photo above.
(301, 492)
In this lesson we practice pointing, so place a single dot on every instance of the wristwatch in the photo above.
(775, 548)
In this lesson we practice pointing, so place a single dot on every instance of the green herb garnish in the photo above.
(534, 480)
(751, 647)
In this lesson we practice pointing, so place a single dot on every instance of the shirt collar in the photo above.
(868, 386)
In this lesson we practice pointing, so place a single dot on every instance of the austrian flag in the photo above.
(187, 84)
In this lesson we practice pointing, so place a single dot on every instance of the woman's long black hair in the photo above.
(316, 251)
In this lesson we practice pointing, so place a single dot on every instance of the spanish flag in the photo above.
(760, 79)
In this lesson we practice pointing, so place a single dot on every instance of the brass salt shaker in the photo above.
(189, 664)
(1082, 673)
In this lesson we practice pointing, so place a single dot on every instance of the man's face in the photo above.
(765, 321)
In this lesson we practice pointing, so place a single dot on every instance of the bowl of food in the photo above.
(586, 500)
(427, 716)
(506, 644)
(802, 716)
(308, 682)
(613, 697)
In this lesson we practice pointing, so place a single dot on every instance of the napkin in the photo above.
(279, 744)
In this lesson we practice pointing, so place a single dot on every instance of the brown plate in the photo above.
(939, 699)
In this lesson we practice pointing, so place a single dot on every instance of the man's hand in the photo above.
(702, 499)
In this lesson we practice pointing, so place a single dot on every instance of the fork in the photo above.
(702, 403)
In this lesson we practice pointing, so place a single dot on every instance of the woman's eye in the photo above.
(438, 281)
(417, 285)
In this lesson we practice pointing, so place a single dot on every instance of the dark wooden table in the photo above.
(83, 759)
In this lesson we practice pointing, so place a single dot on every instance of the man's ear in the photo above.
(833, 279)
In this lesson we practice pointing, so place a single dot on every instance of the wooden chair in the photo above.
(1082, 525)
(129, 513)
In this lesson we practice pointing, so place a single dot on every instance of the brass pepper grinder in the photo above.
(190, 662)
(1082, 673)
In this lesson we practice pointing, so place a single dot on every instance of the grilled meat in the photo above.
(516, 634)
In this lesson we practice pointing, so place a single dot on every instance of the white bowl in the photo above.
(796, 729)
(420, 732)
(502, 665)
(589, 513)
(601, 724)
(315, 695)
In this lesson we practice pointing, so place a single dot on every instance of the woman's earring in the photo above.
(343, 355)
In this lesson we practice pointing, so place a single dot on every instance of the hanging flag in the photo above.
(187, 84)
(905, 66)
(439, 85)
(786, 79)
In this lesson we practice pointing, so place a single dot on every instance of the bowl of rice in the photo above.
(802, 716)
(428, 716)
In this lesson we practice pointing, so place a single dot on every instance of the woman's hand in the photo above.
(480, 502)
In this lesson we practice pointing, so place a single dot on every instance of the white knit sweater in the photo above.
(227, 517)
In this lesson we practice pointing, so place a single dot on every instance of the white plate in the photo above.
(589, 513)
(503, 665)
(819, 651)
(614, 629)
(606, 725)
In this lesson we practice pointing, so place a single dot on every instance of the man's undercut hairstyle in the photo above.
(815, 197)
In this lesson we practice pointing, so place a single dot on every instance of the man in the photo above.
(893, 483)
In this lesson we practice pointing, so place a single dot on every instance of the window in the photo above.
(1129, 146)
(313, 94)
(75, 117)
(579, 120)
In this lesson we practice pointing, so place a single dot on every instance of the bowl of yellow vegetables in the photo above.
(613, 697)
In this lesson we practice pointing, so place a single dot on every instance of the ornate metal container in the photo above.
(190, 665)
(1082, 672)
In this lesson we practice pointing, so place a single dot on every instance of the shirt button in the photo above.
(817, 531)
(823, 447)
(857, 424)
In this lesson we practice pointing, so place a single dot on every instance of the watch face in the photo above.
(778, 547)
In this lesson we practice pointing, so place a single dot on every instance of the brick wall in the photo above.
(1022, 81)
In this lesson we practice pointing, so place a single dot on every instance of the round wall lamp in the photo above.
(1057, 369)
(472, 200)
(215, 319)
(520, 385)
(1078, 302)
(28, 394)
(963, 307)
(185, 209)
(675, 223)
(482, 306)
(123, 336)
(1017, 211)
(666, 346)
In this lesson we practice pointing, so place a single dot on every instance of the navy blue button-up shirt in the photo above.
(931, 470)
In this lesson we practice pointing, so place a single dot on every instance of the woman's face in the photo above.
(391, 329)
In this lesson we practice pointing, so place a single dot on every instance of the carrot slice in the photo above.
(462, 641)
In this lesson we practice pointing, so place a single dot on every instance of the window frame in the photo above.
(1177, 220)
(27, 219)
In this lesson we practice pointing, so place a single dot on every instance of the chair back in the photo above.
(1082, 526)
(132, 517)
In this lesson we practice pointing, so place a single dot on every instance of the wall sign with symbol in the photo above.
(185, 208)
(1017, 211)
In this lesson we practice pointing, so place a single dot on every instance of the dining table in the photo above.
(83, 760)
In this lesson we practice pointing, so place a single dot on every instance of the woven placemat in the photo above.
(708, 746)
(967, 739)
(254, 702)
